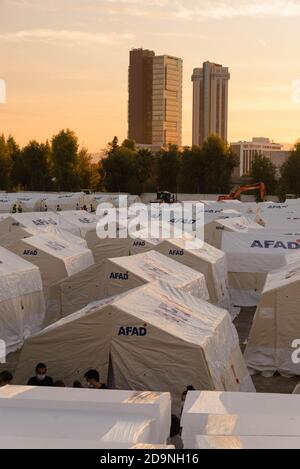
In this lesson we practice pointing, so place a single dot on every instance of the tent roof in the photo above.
(17, 276)
(152, 266)
(37, 220)
(190, 319)
(198, 249)
(280, 278)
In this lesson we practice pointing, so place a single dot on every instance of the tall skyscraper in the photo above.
(210, 102)
(140, 95)
(155, 99)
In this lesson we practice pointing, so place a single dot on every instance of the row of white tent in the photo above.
(72, 276)
(39, 202)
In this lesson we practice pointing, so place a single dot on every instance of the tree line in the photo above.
(61, 165)
(58, 165)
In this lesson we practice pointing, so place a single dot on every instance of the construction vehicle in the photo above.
(236, 194)
(165, 197)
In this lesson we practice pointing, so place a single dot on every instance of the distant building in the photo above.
(210, 102)
(246, 152)
(155, 99)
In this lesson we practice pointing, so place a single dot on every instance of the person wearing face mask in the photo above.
(92, 378)
(40, 378)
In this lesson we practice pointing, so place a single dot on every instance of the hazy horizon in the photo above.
(65, 63)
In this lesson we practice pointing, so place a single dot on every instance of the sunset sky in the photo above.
(65, 63)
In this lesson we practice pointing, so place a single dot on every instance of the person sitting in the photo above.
(92, 378)
(77, 384)
(5, 378)
(40, 378)
(14, 209)
(59, 384)
(58, 208)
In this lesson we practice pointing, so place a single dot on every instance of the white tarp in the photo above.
(214, 230)
(124, 273)
(247, 442)
(251, 256)
(155, 337)
(55, 257)
(68, 201)
(82, 418)
(22, 306)
(80, 223)
(227, 413)
(203, 258)
(276, 327)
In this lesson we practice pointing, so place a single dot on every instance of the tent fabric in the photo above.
(157, 338)
(203, 258)
(21, 233)
(22, 303)
(236, 414)
(247, 442)
(61, 417)
(124, 273)
(215, 229)
(80, 223)
(251, 256)
(66, 201)
(275, 326)
(55, 257)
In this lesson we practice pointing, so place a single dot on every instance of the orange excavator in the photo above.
(235, 195)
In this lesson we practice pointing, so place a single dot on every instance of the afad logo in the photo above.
(139, 243)
(132, 331)
(292, 245)
(176, 252)
(30, 252)
(119, 276)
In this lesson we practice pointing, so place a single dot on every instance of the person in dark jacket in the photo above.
(92, 378)
(40, 378)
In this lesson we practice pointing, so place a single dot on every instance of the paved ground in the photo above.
(276, 384)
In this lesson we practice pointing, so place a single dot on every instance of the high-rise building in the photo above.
(140, 95)
(155, 99)
(210, 102)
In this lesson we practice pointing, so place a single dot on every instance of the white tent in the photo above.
(30, 202)
(203, 258)
(55, 257)
(43, 221)
(7, 224)
(21, 233)
(251, 256)
(22, 306)
(6, 203)
(124, 273)
(154, 337)
(247, 442)
(215, 228)
(227, 413)
(81, 224)
(40, 417)
(276, 325)
(68, 201)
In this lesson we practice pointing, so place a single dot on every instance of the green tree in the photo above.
(118, 170)
(168, 167)
(65, 160)
(144, 167)
(219, 163)
(36, 166)
(84, 168)
(17, 164)
(192, 171)
(290, 172)
(5, 164)
(263, 170)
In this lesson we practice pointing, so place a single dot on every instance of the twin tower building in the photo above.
(155, 100)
